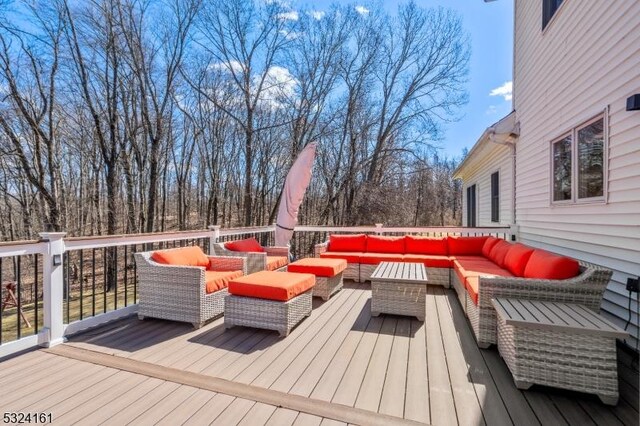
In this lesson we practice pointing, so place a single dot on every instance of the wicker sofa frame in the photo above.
(256, 262)
(178, 293)
(361, 272)
(586, 289)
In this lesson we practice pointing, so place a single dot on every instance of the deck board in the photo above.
(430, 372)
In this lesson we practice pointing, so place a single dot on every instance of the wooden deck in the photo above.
(338, 364)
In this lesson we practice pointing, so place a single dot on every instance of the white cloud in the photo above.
(317, 14)
(290, 35)
(230, 66)
(362, 10)
(505, 91)
(491, 110)
(289, 16)
(278, 84)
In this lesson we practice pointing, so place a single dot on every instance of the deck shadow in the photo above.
(361, 323)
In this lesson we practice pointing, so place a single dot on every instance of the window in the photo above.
(549, 8)
(495, 197)
(578, 164)
(562, 169)
(471, 206)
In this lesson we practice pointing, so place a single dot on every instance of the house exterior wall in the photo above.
(585, 61)
(489, 160)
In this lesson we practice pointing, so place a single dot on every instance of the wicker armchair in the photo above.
(256, 262)
(178, 293)
(586, 289)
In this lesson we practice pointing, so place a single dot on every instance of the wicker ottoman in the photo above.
(270, 300)
(328, 273)
(557, 344)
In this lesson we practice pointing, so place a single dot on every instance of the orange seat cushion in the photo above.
(217, 280)
(430, 261)
(375, 258)
(248, 245)
(184, 256)
(516, 259)
(318, 266)
(348, 243)
(499, 252)
(550, 266)
(469, 272)
(465, 245)
(488, 245)
(425, 245)
(378, 244)
(350, 257)
(281, 286)
(276, 262)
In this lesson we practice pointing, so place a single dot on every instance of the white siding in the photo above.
(586, 60)
(491, 158)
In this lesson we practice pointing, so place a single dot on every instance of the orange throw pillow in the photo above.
(499, 252)
(516, 259)
(377, 244)
(488, 245)
(356, 242)
(184, 256)
(466, 245)
(426, 245)
(248, 245)
(546, 265)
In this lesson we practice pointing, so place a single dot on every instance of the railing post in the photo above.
(214, 234)
(379, 228)
(514, 231)
(53, 283)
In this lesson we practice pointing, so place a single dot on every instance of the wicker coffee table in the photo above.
(399, 288)
(558, 344)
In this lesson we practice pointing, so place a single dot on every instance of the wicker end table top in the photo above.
(400, 272)
(555, 316)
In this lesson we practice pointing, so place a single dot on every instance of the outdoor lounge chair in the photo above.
(184, 284)
(259, 258)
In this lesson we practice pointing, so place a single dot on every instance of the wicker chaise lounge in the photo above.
(186, 293)
(258, 258)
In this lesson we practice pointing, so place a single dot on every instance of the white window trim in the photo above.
(573, 132)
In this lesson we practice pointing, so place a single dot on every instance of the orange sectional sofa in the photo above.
(479, 268)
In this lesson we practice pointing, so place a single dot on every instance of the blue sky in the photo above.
(490, 29)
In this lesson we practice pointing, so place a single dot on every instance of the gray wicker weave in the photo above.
(353, 269)
(326, 286)
(561, 345)
(585, 289)
(365, 272)
(399, 288)
(267, 314)
(256, 262)
(179, 293)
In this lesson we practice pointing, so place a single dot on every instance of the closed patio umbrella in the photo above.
(295, 185)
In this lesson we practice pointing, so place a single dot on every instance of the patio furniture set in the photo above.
(541, 309)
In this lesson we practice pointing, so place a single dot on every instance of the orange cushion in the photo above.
(469, 272)
(425, 245)
(499, 252)
(462, 258)
(516, 259)
(272, 285)
(378, 244)
(488, 245)
(249, 245)
(217, 280)
(276, 262)
(375, 258)
(184, 256)
(318, 266)
(546, 265)
(430, 261)
(465, 245)
(351, 257)
(356, 242)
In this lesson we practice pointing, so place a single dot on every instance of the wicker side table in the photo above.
(399, 288)
(557, 344)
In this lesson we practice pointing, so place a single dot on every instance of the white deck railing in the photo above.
(53, 252)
